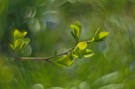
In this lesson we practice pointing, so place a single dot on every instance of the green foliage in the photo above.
(66, 60)
(103, 35)
(112, 66)
(80, 50)
(20, 42)
(76, 30)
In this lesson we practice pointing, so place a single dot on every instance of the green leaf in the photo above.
(17, 34)
(26, 51)
(18, 44)
(103, 35)
(19, 40)
(91, 40)
(26, 41)
(81, 45)
(88, 53)
(77, 23)
(76, 31)
(65, 61)
(75, 55)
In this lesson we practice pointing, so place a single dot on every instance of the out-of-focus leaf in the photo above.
(78, 24)
(37, 86)
(84, 85)
(113, 86)
(26, 41)
(108, 78)
(3, 5)
(26, 51)
(6, 74)
(103, 35)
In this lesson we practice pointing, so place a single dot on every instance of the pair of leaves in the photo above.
(76, 30)
(19, 40)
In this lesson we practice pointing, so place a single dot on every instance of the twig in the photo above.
(43, 58)
(51, 57)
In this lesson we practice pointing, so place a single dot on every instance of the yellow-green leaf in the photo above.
(75, 31)
(65, 61)
(103, 35)
(81, 45)
(18, 44)
(91, 40)
(77, 23)
(88, 53)
(75, 55)
(17, 34)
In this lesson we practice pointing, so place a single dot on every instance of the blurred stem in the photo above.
(96, 32)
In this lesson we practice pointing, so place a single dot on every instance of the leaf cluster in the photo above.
(20, 41)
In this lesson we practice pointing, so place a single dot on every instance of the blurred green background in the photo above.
(47, 23)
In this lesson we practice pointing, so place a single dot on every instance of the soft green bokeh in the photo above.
(48, 25)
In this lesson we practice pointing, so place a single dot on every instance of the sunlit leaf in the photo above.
(65, 61)
(81, 45)
(19, 40)
(18, 44)
(88, 53)
(91, 40)
(17, 34)
(76, 31)
(102, 35)
(75, 55)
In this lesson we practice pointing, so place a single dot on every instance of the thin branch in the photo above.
(43, 58)
(96, 32)
(51, 57)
